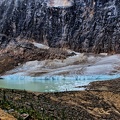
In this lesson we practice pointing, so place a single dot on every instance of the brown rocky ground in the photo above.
(110, 85)
(92, 104)
(11, 58)
(6, 116)
(100, 100)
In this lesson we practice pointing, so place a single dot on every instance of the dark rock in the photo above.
(82, 25)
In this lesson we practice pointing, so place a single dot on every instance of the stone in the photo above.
(25, 116)
(11, 110)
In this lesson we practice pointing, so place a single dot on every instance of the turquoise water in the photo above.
(50, 84)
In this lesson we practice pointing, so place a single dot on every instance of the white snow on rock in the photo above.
(40, 45)
(78, 64)
(60, 3)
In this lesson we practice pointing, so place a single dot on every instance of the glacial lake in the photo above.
(50, 84)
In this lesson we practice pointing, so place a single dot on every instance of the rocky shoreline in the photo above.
(99, 101)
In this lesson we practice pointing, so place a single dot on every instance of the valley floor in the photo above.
(100, 101)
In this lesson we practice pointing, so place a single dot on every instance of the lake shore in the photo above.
(100, 100)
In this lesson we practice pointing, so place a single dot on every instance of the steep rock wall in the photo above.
(82, 25)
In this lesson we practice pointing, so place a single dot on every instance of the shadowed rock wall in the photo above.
(82, 25)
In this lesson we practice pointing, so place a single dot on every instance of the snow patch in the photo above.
(40, 45)
(60, 3)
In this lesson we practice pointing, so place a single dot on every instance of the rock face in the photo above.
(82, 25)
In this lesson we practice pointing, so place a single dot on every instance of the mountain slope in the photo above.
(82, 25)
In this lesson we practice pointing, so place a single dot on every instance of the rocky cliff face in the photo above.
(82, 25)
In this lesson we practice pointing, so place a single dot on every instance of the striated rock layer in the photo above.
(82, 25)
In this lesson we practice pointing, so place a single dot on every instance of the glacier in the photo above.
(51, 83)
